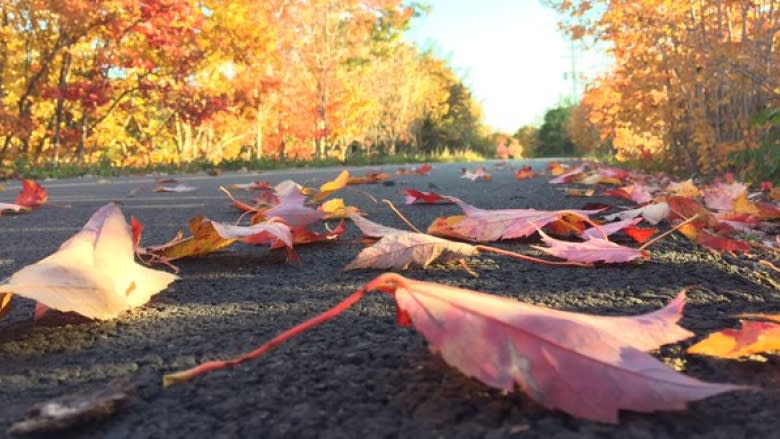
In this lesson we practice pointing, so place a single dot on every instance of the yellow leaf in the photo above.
(5, 304)
(754, 337)
(334, 185)
(204, 240)
(336, 208)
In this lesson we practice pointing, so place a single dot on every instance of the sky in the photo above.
(510, 53)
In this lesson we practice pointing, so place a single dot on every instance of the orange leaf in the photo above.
(423, 169)
(32, 195)
(204, 240)
(683, 208)
(5, 304)
(710, 240)
(524, 173)
(369, 178)
(640, 234)
(445, 226)
(754, 337)
(302, 235)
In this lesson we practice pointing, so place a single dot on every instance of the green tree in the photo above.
(553, 139)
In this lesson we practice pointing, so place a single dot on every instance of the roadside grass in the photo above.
(104, 168)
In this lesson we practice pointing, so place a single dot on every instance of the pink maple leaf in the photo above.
(588, 366)
(491, 225)
(590, 251)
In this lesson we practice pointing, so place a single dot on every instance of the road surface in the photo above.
(359, 376)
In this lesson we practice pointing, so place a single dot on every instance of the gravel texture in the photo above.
(359, 375)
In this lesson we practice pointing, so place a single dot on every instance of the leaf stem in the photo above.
(400, 215)
(210, 366)
(668, 232)
(370, 197)
(240, 204)
(522, 257)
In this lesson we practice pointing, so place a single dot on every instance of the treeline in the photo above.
(695, 83)
(139, 82)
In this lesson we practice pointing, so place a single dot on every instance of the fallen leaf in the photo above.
(682, 208)
(754, 337)
(93, 273)
(478, 174)
(269, 232)
(372, 229)
(13, 208)
(423, 169)
(578, 192)
(654, 213)
(291, 209)
(5, 303)
(420, 197)
(761, 211)
(492, 225)
(556, 169)
(568, 177)
(181, 187)
(684, 189)
(588, 366)
(303, 235)
(598, 178)
(590, 251)
(445, 226)
(68, 411)
(32, 194)
(640, 234)
(712, 240)
(289, 186)
(329, 187)
(335, 209)
(370, 178)
(204, 239)
(721, 196)
(567, 225)
(403, 249)
(609, 228)
(637, 193)
(252, 186)
(524, 173)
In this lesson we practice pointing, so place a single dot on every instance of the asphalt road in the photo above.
(359, 376)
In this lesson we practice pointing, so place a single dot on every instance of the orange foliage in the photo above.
(689, 76)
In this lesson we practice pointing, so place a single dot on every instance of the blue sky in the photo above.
(510, 53)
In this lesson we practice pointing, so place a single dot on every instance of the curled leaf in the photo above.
(32, 194)
(590, 251)
(340, 182)
(413, 196)
(93, 273)
(401, 249)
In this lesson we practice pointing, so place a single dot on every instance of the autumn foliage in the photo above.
(690, 80)
(134, 83)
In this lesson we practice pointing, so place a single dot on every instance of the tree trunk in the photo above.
(82, 138)
(58, 114)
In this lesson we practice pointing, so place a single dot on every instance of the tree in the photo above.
(552, 138)
(689, 75)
